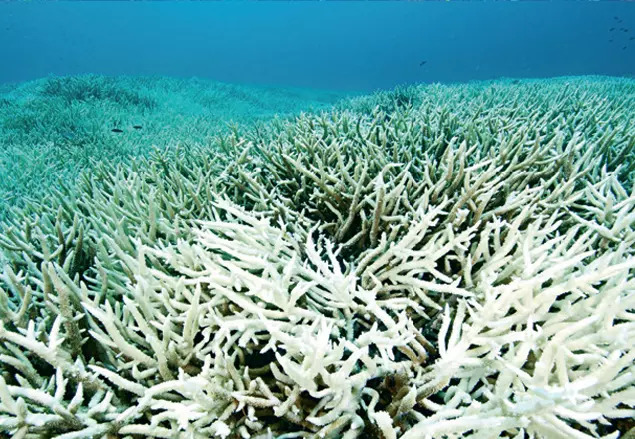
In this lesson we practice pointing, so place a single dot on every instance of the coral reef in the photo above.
(434, 262)
(53, 128)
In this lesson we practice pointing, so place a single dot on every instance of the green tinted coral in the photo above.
(53, 128)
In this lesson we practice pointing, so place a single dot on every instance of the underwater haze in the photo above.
(331, 45)
(317, 220)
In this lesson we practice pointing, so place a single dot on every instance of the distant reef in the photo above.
(435, 261)
(53, 128)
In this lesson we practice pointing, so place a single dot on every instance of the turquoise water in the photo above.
(328, 45)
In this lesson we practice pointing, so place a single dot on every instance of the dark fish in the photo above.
(68, 135)
(116, 130)
(611, 29)
(137, 127)
(624, 48)
(610, 41)
(422, 63)
(616, 17)
(631, 39)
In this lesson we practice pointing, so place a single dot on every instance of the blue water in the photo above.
(334, 45)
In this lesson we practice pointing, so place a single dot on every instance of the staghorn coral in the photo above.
(55, 127)
(345, 275)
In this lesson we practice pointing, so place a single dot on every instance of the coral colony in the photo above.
(432, 262)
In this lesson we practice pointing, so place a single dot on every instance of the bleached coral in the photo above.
(472, 286)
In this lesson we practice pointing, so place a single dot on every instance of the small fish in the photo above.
(68, 135)
(116, 130)
(610, 41)
(624, 48)
(137, 127)
(422, 63)
(616, 17)
(631, 39)
(611, 29)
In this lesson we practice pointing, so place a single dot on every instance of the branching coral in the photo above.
(393, 275)
(53, 128)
